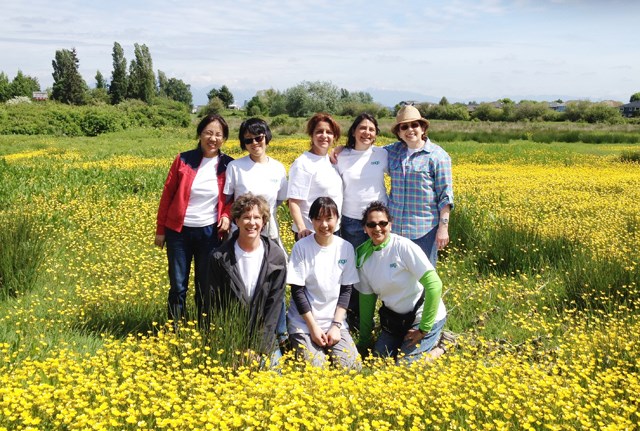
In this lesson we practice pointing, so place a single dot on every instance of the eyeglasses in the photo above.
(413, 125)
(256, 139)
(372, 224)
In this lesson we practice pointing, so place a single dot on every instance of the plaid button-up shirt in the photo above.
(421, 185)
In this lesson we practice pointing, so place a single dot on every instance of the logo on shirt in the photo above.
(393, 265)
(376, 162)
(342, 261)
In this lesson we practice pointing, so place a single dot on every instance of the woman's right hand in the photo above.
(317, 336)
(304, 232)
(159, 241)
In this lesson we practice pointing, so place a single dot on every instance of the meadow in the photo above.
(541, 282)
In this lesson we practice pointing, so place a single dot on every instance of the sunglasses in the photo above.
(413, 125)
(256, 139)
(373, 224)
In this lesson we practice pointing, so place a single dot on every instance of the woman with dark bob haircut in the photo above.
(397, 271)
(322, 273)
(263, 176)
(312, 175)
(193, 215)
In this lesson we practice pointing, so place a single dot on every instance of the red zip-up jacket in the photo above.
(177, 189)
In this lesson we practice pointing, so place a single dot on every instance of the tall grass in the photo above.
(22, 252)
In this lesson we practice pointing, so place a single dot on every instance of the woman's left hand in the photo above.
(442, 236)
(333, 335)
(413, 336)
(223, 225)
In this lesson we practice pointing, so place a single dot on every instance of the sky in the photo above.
(422, 50)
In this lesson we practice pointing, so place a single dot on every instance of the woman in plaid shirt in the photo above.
(421, 184)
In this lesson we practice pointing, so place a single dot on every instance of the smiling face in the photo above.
(324, 225)
(250, 223)
(211, 139)
(322, 138)
(412, 133)
(377, 233)
(365, 134)
(256, 145)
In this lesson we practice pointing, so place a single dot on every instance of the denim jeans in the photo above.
(352, 230)
(428, 244)
(192, 244)
(389, 345)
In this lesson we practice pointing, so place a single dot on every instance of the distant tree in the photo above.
(177, 90)
(307, 97)
(602, 113)
(23, 85)
(223, 93)
(118, 87)
(215, 106)
(162, 83)
(506, 101)
(634, 97)
(5, 88)
(142, 80)
(101, 83)
(487, 112)
(68, 85)
(443, 101)
(530, 111)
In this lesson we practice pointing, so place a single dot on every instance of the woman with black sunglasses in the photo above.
(398, 272)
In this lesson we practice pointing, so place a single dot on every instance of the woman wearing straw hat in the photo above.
(421, 184)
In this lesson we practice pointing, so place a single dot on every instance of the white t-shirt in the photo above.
(249, 264)
(268, 180)
(362, 175)
(322, 270)
(310, 177)
(203, 199)
(393, 273)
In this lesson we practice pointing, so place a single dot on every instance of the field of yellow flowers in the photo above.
(541, 282)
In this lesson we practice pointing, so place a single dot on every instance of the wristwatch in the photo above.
(336, 323)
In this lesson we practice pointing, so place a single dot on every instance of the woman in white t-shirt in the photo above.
(246, 277)
(397, 271)
(322, 273)
(257, 172)
(361, 166)
(312, 175)
(264, 176)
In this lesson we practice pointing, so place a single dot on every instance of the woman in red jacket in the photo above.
(193, 216)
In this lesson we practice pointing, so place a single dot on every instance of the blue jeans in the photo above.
(352, 230)
(192, 244)
(428, 244)
(389, 345)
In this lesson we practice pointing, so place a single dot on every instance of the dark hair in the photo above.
(246, 202)
(375, 206)
(254, 126)
(351, 140)
(322, 205)
(210, 119)
(320, 117)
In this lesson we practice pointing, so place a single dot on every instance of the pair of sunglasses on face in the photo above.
(256, 139)
(413, 125)
(372, 224)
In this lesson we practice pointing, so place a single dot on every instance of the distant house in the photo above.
(630, 109)
(557, 106)
(40, 95)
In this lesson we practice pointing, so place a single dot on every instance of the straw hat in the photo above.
(408, 114)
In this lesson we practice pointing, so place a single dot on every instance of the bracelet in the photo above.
(336, 323)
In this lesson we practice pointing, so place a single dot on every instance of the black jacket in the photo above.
(225, 287)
